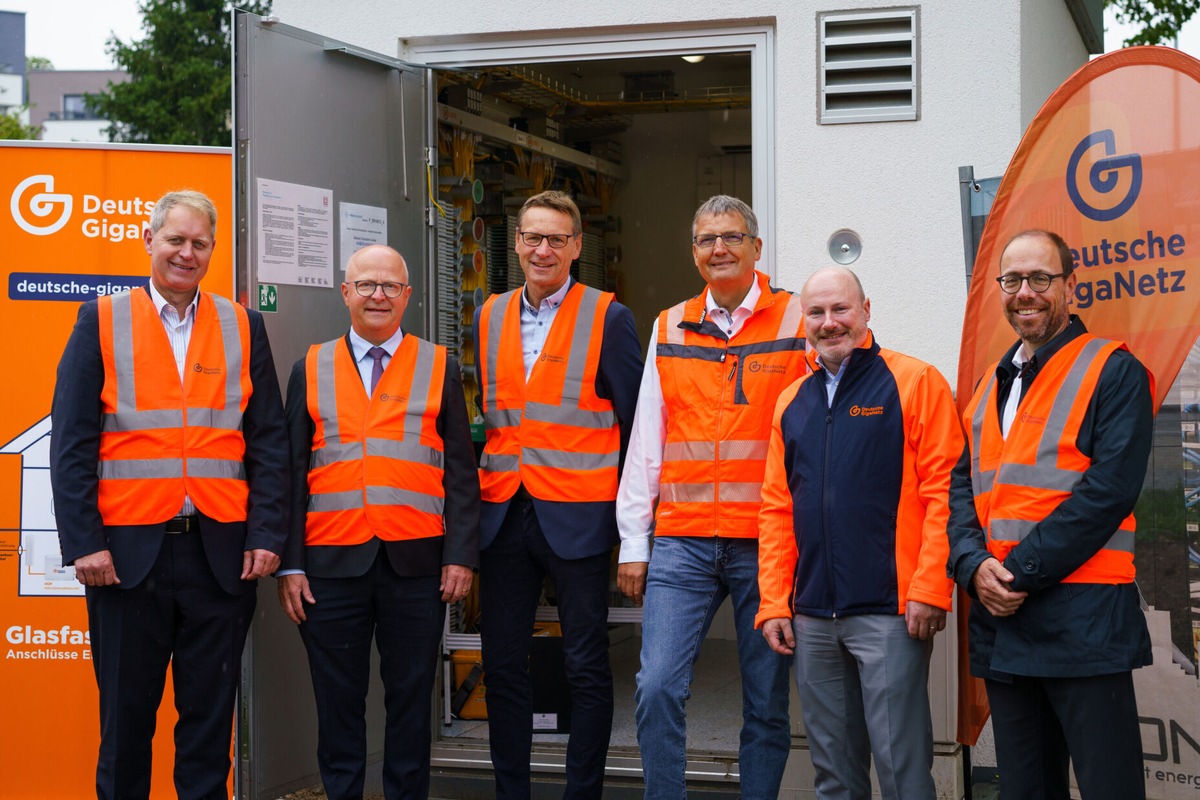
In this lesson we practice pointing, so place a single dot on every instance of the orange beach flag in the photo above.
(1112, 163)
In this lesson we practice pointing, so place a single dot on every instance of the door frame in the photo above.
(757, 38)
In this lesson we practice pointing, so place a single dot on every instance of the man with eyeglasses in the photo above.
(385, 525)
(1042, 531)
(558, 365)
(692, 485)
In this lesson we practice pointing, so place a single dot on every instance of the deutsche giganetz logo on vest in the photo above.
(40, 204)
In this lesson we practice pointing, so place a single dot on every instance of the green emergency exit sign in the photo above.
(268, 298)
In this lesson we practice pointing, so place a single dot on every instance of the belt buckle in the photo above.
(178, 525)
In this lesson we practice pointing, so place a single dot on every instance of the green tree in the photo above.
(1158, 21)
(37, 64)
(179, 86)
(11, 127)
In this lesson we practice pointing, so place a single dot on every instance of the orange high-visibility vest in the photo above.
(1019, 480)
(553, 434)
(377, 462)
(719, 397)
(162, 439)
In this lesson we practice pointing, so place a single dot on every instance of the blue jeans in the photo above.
(688, 580)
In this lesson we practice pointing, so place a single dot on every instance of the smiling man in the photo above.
(852, 545)
(170, 471)
(692, 486)
(558, 364)
(385, 525)
(1042, 534)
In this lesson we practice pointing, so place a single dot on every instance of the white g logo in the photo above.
(40, 204)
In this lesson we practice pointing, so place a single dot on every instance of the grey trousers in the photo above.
(863, 691)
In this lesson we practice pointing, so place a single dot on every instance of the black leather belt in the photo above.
(522, 493)
(188, 524)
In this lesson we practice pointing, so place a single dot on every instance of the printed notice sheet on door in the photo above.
(295, 234)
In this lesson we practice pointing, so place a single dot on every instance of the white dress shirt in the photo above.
(638, 493)
(360, 347)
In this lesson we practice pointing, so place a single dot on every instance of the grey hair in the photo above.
(724, 204)
(188, 198)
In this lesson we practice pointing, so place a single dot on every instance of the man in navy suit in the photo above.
(385, 525)
(169, 465)
(558, 365)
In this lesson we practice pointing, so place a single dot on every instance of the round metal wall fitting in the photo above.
(844, 246)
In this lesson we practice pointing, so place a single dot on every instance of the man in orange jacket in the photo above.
(852, 544)
(170, 471)
(385, 525)
(1042, 532)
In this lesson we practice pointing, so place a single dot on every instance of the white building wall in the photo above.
(75, 130)
(895, 183)
(1050, 51)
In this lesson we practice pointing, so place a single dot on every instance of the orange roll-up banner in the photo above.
(71, 228)
(1112, 163)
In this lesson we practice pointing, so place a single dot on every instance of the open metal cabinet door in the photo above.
(352, 124)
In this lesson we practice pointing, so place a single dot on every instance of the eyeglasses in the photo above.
(390, 290)
(557, 240)
(708, 241)
(1038, 281)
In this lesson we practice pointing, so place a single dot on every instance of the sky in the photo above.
(72, 33)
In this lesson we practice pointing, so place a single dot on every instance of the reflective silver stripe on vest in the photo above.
(539, 457)
(216, 468)
(327, 407)
(494, 462)
(674, 317)
(503, 418)
(418, 393)
(1045, 473)
(1014, 530)
(731, 492)
(793, 315)
(232, 342)
(569, 415)
(494, 331)
(335, 452)
(128, 418)
(143, 420)
(686, 493)
(139, 468)
(731, 450)
(335, 501)
(581, 339)
(392, 496)
(981, 481)
(408, 450)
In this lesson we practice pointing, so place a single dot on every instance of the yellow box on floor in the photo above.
(465, 660)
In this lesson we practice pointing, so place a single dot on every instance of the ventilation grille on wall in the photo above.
(868, 66)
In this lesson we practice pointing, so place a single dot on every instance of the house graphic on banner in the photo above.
(25, 463)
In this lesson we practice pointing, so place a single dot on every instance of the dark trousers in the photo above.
(178, 615)
(1042, 723)
(512, 569)
(403, 616)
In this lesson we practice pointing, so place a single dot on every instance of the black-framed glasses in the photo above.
(557, 240)
(730, 239)
(1038, 281)
(391, 290)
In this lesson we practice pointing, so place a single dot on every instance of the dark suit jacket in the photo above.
(579, 530)
(417, 557)
(75, 453)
